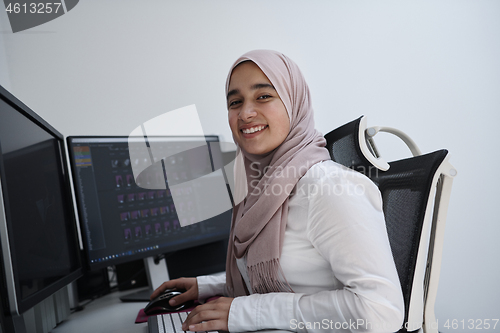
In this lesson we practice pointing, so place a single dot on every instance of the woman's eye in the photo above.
(233, 103)
(264, 96)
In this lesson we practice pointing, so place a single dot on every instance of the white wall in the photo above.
(430, 68)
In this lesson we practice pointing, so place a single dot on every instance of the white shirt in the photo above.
(336, 257)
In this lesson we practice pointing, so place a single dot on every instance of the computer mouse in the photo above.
(160, 303)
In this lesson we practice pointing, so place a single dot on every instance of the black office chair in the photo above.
(415, 193)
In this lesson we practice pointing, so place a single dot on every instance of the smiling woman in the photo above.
(308, 247)
(257, 116)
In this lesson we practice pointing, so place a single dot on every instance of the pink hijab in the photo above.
(259, 222)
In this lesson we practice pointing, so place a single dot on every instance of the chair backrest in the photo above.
(411, 203)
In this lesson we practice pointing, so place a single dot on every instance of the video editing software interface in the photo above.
(121, 221)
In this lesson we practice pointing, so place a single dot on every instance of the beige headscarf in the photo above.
(258, 225)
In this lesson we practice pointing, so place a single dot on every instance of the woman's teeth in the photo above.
(253, 129)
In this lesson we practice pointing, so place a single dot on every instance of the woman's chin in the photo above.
(255, 150)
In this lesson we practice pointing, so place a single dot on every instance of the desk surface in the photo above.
(109, 314)
(106, 314)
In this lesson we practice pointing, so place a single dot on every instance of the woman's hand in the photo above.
(211, 316)
(188, 284)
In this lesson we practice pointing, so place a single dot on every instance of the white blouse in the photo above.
(336, 257)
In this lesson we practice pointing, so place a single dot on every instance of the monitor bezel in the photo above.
(141, 255)
(19, 306)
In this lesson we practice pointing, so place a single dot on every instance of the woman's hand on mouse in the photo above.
(190, 285)
(211, 316)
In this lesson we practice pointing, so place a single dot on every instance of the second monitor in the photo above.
(121, 221)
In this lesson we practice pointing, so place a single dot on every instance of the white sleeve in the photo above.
(347, 228)
(211, 285)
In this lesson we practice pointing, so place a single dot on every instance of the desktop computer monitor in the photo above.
(40, 252)
(121, 221)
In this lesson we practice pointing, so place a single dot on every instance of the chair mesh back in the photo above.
(405, 189)
(342, 143)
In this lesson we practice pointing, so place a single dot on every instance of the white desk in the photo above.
(105, 315)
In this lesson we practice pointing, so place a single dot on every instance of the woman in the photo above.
(308, 249)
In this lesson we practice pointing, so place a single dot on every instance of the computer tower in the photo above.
(131, 275)
(93, 284)
(199, 260)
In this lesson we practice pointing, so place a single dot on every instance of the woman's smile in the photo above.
(253, 131)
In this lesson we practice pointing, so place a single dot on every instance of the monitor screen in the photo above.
(124, 216)
(40, 248)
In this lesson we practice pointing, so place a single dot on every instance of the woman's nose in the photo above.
(247, 112)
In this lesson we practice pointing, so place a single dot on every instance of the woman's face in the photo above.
(257, 116)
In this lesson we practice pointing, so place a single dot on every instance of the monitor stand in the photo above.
(156, 273)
